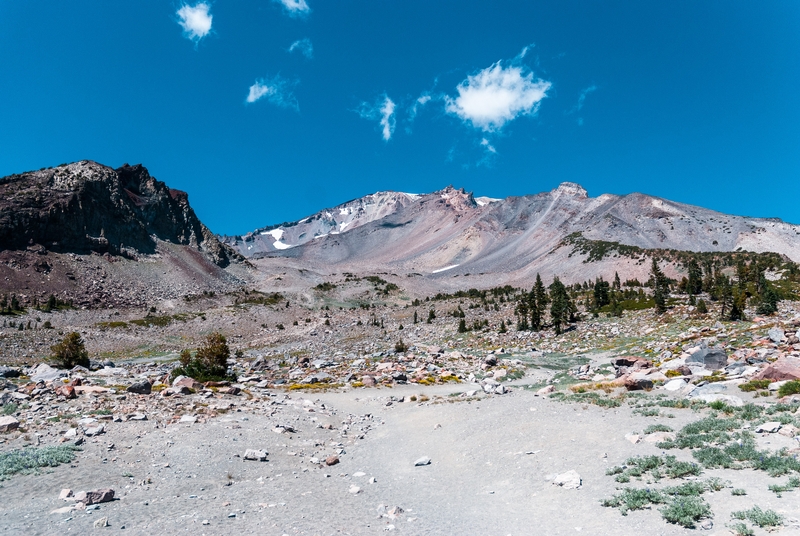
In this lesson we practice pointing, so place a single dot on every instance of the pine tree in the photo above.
(559, 306)
(415, 317)
(617, 283)
(502, 327)
(694, 282)
(462, 326)
(660, 287)
(540, 300)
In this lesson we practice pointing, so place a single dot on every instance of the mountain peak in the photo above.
(572, 189)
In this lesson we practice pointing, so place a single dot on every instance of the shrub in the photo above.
(210, 363)
(789, 388)
(29, 460)
(686, 511)
(400, 346)
(70, 352)
(702, 308)
(760, 517)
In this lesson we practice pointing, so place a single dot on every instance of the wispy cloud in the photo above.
(295, 8)
(488, 146)
(418, 103)
(195, 20)
(303, 46)
(276, 90)
(582, 98)
(383, 111)
(498, 94)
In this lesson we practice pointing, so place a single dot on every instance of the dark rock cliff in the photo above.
(87, 207)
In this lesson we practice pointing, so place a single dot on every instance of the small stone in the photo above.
(546, 390)
(359, 474)
(394, 512)
(63, 510)
(422, 461)
(769, 427)
(96, 430)
(331, 460)
(206, 522)
(102, 522)
(706, 524)
(8, 423)
(255, 455)
(188, 419)
(232, 514)
(569, 480)
(65, 494)
(633, 438)
(355, 490)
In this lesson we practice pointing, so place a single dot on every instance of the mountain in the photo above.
(450, 233)
(52, 220)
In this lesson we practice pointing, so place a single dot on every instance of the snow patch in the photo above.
(280, 245)
(343, 225)
(445, 268)
(277, 234)
(344, 211)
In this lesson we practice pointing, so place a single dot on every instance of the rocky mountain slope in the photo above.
(93, 234)
(450, 232)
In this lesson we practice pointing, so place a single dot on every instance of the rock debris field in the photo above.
(620, 426)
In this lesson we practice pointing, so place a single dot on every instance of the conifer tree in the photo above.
(560, 308)
(660, 287)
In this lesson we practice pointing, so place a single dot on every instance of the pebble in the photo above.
(422, 461)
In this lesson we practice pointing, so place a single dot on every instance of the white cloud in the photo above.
(295, 7)
(488, 146)
(276, 90)
(304, 46)
(384, 112)
(195, 20)
(497, 95)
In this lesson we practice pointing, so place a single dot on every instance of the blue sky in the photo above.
(268, 110)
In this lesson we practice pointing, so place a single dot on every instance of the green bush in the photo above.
(210, 363)
(789, 388)
(70, 352)
(29, 460)
(686, 511)
(759, 517)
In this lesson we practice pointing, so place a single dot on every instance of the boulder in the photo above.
(8, 423)
(9, 372)
(785, 368)
(490, 360)
(140, 388)
(189, 383)
(638, 381)
(67, 391)
(675, 385)
(546, 390)
(95, 496)
(331, 460)
(46, 373)
(711, 358)
(775, 334)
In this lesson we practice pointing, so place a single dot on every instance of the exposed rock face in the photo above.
(450, 233)
(87, 207)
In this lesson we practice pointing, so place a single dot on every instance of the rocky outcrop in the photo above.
(87, 207)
